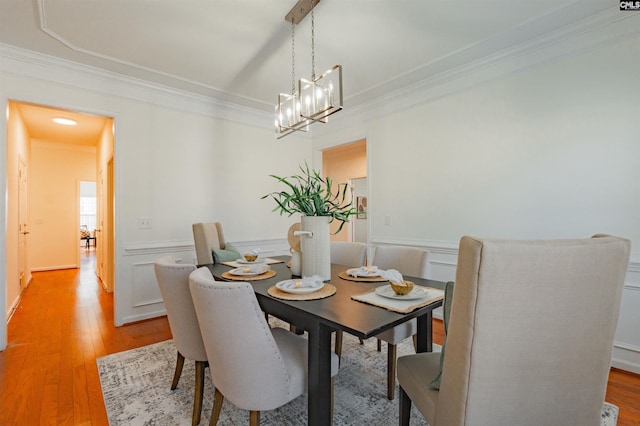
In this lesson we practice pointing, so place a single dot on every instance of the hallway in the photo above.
(48, 373)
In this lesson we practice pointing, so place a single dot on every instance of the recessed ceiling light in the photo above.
(65, 121)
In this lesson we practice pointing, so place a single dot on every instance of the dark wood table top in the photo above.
(338, 311)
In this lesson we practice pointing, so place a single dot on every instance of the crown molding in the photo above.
(22, 62)
(438, 81)
(435, 80)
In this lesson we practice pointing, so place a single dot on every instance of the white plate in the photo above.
(387, 291)
(359, 273)
(245, 273)
(288, 286)
(246, 262)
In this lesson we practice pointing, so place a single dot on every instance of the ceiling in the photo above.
(239, 51)
(39, 123)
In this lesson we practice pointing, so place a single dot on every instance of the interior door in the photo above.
(100, 208)
(23, 229)
(108, 234)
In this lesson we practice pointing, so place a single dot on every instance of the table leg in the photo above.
(319, 396)
(425, 332)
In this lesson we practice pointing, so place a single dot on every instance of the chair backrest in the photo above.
(207, 236)
(410, 261)
(348, 253)
(173, 280)
(531, 329)
(248, 367)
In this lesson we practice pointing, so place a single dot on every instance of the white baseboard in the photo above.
(54, 268)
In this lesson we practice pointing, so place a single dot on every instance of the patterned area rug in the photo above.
(135, 386)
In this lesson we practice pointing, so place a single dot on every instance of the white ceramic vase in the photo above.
(315, 245)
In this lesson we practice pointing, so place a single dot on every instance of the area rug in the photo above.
(135, 387)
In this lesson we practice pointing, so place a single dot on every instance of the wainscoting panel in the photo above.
(626, 348)
(138, 296)
(145, 287)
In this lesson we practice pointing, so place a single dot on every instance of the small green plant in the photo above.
(312, 195)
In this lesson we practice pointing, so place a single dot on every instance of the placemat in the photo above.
(326, 291)
(236, 264)
(270, 273)
(346, 276)
(400, 306)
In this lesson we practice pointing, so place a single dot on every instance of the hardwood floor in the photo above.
(48, 373)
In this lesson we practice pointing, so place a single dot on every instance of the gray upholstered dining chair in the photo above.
(257, 368)
(208, 237)
(352, 254)
(411, 261)
(173, 280)
(529, 338)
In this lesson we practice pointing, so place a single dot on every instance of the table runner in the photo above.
(400, 306)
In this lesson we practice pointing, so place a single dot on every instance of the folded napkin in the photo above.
(261, 268)
(306, 282)
(363, 270)
(392, 275)
(312, 281)
(256, 251)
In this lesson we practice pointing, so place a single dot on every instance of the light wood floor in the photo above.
(48, 373)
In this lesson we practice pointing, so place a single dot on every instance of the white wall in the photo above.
(56, 172)
(552, 151)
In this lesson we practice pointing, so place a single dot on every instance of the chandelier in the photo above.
(315, 99)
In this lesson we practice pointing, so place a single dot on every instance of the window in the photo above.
(88, 205)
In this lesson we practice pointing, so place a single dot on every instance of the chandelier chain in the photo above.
(293, 57)
(313, 47)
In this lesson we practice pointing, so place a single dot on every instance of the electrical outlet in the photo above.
(144, 223)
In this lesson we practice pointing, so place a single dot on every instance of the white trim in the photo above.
(482, 62)
(438, 81)
(55, 268)
(155, 247)
(626, 357)
(148, 315)
(26, 63)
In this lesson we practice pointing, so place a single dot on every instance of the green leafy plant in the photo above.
(312, 195)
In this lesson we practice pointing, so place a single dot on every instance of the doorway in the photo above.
(45, 163)
(347, 163)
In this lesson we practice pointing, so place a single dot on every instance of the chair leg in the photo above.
(178, 372)
(415, 342)
(218, 398)
(198, 392)
(379, 345)
(338, 346)
(405, 408)
(391, 371)
(254, 418)
(361, 341)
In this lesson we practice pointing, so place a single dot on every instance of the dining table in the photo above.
(321, 317)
